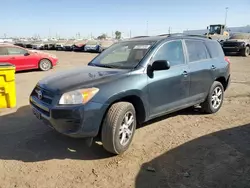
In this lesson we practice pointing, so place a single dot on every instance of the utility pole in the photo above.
(169, 30)
(147, 29)
(226, 16)
(49, 34)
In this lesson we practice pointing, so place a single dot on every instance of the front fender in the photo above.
(123, 96)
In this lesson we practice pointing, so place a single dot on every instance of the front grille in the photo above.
(41, 110)
(230, 44)
(47, 96)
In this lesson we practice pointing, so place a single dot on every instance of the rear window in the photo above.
(214, 49)
(196, 50)
(240, 36)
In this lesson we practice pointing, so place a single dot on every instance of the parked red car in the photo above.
(25, 59)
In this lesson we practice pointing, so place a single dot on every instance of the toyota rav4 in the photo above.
(132, 82)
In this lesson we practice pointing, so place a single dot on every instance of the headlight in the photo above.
(81, 96)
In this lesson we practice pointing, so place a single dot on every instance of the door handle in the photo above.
(213, 67)
(12, 58)
(185, 73)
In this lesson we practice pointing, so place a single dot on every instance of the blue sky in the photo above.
(67, 17)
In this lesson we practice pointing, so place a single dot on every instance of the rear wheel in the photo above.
(118, 127)
(45, 65)
(246, 51)
(214, 99)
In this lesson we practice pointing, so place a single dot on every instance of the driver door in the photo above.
(17, 56)
(169, 89)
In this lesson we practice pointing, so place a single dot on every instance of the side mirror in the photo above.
(160, 65)
(26, 54)
(207, 27)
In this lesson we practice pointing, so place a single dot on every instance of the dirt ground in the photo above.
(184, 149)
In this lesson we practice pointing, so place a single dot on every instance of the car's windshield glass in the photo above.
(92, 42)
(214, 29)
(124, 55)
(240, 36)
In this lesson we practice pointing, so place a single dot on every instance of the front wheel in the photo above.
(45, 65)
(214, 99)
(246, 51)
(119, 127)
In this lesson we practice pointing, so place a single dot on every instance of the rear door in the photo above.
(201, 68)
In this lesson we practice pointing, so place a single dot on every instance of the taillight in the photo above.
(227, 60)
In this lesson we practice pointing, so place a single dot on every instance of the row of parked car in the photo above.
(69, 45)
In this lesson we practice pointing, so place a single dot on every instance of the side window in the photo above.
(171, 51)
(3, 51)
(16, 51)
(215, 49)
(196, 50)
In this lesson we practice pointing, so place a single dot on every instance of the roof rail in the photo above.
(138, 37)
(188, 35)
(162, 35)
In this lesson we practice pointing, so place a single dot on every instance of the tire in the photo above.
(246, 51)
(45, 65)
(116, 137)
(209, 105)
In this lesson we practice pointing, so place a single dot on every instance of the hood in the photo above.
(80, 78)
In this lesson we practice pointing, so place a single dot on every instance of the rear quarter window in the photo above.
(3, 51)
(215, 49)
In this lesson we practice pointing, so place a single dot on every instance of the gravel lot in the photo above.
(184, 149)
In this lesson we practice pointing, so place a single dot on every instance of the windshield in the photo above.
(92, 42)
(240, 36)
(215, 29)
(124, 55)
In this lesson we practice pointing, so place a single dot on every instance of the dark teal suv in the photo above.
(132, 82)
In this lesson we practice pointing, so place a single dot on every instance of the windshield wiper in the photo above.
(105, 66)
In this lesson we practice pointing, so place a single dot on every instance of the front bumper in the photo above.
(91, 49)
(233, 49)
(75, 121)
(68, 48)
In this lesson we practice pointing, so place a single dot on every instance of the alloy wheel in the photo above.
(216, 97)
(126, 129)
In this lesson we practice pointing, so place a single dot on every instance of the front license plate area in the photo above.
(36, 113)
